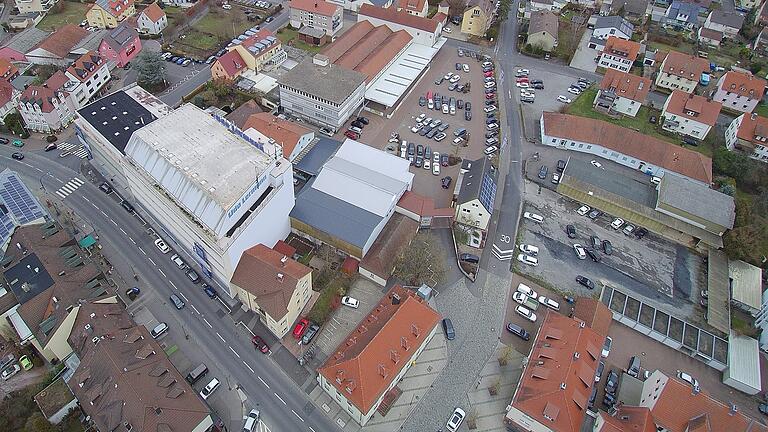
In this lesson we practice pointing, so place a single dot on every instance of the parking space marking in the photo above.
(132, 240)
(123, 231)
(150, 260)
(222, 339)
(281, 399)
(161, 272)
(142, 250)
(310, 428)
(297, 416)
(248, 366)
(263, 382)
(113, 222)
(183, 296)
(235, 352)
(172, 284)
(209, 324)
(193, 307)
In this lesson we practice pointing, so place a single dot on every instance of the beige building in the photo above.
(30, 6)
(681, 71)
(542, 30)
(477, 17)
(273, 285)
(474, 200)
(108, 14)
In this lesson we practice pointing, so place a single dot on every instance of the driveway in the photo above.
(584, 58)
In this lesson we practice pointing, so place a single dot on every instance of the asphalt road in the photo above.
(284, 407)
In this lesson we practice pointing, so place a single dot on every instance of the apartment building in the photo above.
(621, 93)
(477, 17)
(689, 114)
(260, 52)
(48, 107)
(618, 54)
(681, 71)
(317, 14)
(749, 133)
(108, 14)
(739, 91)
(87, 76)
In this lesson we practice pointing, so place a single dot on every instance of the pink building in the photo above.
(121, 45)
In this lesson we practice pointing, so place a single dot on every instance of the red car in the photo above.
(300, 328)
(352, 134)
(490, 95)
(523, 80)
(260, 345)
(488, 74)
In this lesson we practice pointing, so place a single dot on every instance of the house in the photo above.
(287, 138)
(108, 14)
(682, 14)
(317, 14)
(228, 67)
(477, 17)
(152, 20)
(542, 30)
(8, 99)
(260, 52)
(538, 5)
(607, 26)
(689, 114)
(47, 108)
(56, 48)
(749, 133)
(760, 45)
(33, 6)
(739, 91)
(8, 71)
(623, 146)
(474, 202)
(418, 8)
(710, 37)
(87, 76)
(618, 54)
(121, 45)
(681, 71)
(273, 285)
(622, 93)
(761, 17)
(426, 31)
(313, 36)
(556, 383)
(634, 9)
(378, 353)
(728, 23)
(746, 5)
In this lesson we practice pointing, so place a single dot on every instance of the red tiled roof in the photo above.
(422, 205)
(626, 85)
(685, 65)
(681, 103)
(555, 386)
(284, 132)
(6, 92)
(321, 7)
(284, 248)
(363, 366)
(414, 5)
(753, 125)
(621, 47)
(392, 15)
(85, 66)
(231, 62)
(710, 34)
(627, 141)
(111, 6)
(628, 419)
(43, 95)
(63, 40)
(8, 70)
(595, 314)
(56, 81)
(153, 12)
(744, 84)
(262, 272)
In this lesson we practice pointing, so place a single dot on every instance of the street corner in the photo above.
(494, 388)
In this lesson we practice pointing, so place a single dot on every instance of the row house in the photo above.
(47, 108)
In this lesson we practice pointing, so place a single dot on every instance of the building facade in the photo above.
(152, 20)
(108, 14)
(477, 17)
(32, 6)
(542, 30)
(47, 108)
(728, 23)
(260, 52)
(121, 45)
(739, 91)
(318, 14)
(622, 93)
(87, 76)
(475, 198)
(690, 115)
(618, 54)
(749, 133)
(281, 138)
(681, 71)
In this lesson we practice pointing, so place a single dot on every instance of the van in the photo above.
(209, 389)
(655, 180)
(197, 373)
(560, 165)
(460, 132)
(159, 330)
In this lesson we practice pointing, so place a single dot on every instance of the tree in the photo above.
(422, 261)
(37, 423)
(151, 70)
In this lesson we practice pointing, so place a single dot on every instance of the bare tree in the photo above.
(421, 262)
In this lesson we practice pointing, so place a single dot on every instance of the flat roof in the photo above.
(640, 192)
(318, 153)
(718, 290)
(746, 283)
(201, 150)
(28, 277)
(390, 86)
(744, 360)
(331, 83)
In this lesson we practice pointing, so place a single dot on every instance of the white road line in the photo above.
(281, 399)
(297, 416)
(222, 339)
(209, 324)
(61, 194)
(233, 350)
(310, 428)
(248, 366)
(123, 231)
(77, 181)
(95, 206)
(263, 382)
(161, 272)
(172, 284)
(150, 260)
(86, 198)
(183, 296)
(193, 307)
(142, 250)
(132, 240)
(113, 222)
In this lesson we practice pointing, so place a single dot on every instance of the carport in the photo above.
(746, 286)
(743, 372)
(718, 290)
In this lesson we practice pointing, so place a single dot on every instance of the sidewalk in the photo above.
(488, 410)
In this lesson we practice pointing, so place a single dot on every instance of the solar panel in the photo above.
(6, 227)
(487, 192)
(19, 200)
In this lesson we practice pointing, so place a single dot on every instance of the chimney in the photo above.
(734, 409)
(321, 60)
(280, 277)
(395, 299)
(382, 371)
(283, 260)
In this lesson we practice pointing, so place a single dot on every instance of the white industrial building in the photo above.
(172, 167)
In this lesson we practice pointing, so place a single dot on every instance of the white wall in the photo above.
(419, 36)
(674, 82)
(604, 33)
(473, 213)
(735, 101)
(611, 61)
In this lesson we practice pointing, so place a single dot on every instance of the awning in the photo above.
(87, 241)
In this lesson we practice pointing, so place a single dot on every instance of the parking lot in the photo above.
(652, 267)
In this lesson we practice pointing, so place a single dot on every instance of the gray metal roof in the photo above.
(698, 200)
(479, 183)
(744, 360)
(690, 10)
(331, 83)
(617, 22)
(27, 39)
(729, 19)
(629, 188)
(116, 117)
(718, 289)
(746, 283)
(316, 156)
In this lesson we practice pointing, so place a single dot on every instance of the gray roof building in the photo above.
(543, 22)
(27, 39)
(479, 182)
(617, 22)
(696, 200)
(728, 19)
(330, 83)
(636, 8)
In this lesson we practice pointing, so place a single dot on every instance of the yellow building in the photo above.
(477, 17)
(262, 51)
(107, 14)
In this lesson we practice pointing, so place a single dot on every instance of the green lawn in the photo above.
(286, 35)
(220, 22)
(70, 13)
(761, 110)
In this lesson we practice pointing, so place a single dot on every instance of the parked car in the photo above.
(518, 331)
(617, 223)
(10, 371)
(595, 242)
(159, 330)
(685, 377)
(543, 172)
(571, 231)
(310, 334)
(579, 250)
(259, 344)
(525, 289)
(606, 347)
(209, 388)
(612, 383)
(633, 369)
(583, 210)
(599, 371)
(351, 302)
(533, 217)
(628, 229)
(548, 302)
(596, 164)
(455, 421)
(193, 276)
(162, 246)
(594, 214)
(450, 332)
(251, 420)
(300, 328)
(17, 155)
(525, 259)
(526, 313)
(445, 182)
(177, 302)
(529, 249)
(585, 282)
(7, 360)
(209, 291)
(607, 247)
(592, 254)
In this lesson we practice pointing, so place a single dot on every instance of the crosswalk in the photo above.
(73, 149)
(69, 187)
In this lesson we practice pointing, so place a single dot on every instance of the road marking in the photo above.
(310, 428)
(86, 198)
(248, 366)
(209, 324)
(233, 350)
(297, 416)
(222, 339)
(132, 240)
(263, 382)
(161, 272)
(183, 296)
(150, 260)
(113, 222)
(95, 206)
(193, 307)
(142, 250)
(281, 399)
(172, 284)
(123, 231)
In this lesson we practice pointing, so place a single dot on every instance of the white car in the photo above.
(580, 252)
(523, 72)
(209, 388)
(617, 223)
(490, 150)
(455, 421)
(178, 261)
(525, 289)
(447, 30)
(435, 158)
(490, 84)
(164, 248)
(519, 297)
(351, 302)
(563, 99)
(251, 420)
(421, 117)
(525, 259)
(529, 249)
(596, 164)
(548, 302)
(436, 168)
(441, 136)
(427, 164)
(416, 129)
(606, 347)
(688, 378)
(10, 371)
(533, 217)
(448, 76)
(492, 126)
(555, 178)
(490, 108)
(465, 67)
(524, 85)
(446, 108)
(526, 313)
(527, 93)
(574, 91)
(226, 7)
(454, 79)
(583, 210)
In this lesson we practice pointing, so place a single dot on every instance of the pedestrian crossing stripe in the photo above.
(66, 146)
(69, 187)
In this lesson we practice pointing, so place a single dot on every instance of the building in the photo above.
(121, 45)
(174, 174)
(87, 76)
(419, 8)
(624, 146)
(538, 5)
(681, 71)
(424, 31)
(618, 54)
(47, 108)
(273, 285)
(280, 138)
(378, 353)
(682, 15)
(33, 6)
(710, 37)
(679, 209)
(739, 91)
(152, 20)
(55, 48)
(313, 36)
(125, 380)
(689, 114)
(556, 383)
(260, 52)
(9, 97)
(746, 5)
(8, 71)
(607, 26)
(761, 17)
(727, 23)
(760, 45)
(475, 198)
(634, 9)
(477, 17)
(351, 197)
(621, 93)
(317, 14)
(749, 133)
(108, 14)
(746, 284)
(322, 93)
(542, 30)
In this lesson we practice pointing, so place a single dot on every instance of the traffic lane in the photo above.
(174, 96)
